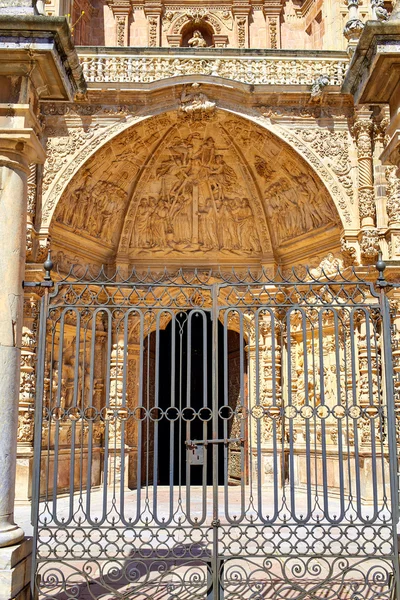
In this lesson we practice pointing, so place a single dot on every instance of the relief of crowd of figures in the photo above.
(196, 193)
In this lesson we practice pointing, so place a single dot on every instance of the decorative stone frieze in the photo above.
(268, 70)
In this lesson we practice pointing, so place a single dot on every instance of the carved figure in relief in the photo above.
(244, 218)
(299, 199)
(197, 40)
(195, 209)
(195, 101)
(93, 208)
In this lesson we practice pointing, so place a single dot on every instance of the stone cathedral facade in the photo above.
(240, 135)
(203, 135)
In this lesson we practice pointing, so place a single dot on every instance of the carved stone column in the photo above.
(363, 129)
(241, 17)
(272, 12)
(153, 11)
(18, 147)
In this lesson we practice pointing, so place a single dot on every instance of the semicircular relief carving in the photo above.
(195, 185)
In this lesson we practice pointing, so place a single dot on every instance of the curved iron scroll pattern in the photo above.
(209, 433)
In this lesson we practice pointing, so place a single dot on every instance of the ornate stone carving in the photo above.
(285, 71)
(241, 23)
(121, 25)
(333, 148)
(393, 196)
(195, 101)
(25, 427)
(199, 206)
(363, 130)
(59, 150)
(369, 244)
(379, 11)
(349, 252)
(328, 267)
(273, 33)
(301, 203)
(153, 31)
(318, 87)
(353, 29)
(197, 40)
(366, 201)
(32, 191)
(28, 370)
(196, 16)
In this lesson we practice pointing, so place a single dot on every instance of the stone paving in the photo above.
(175, 562)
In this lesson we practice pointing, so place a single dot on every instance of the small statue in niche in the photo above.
(197, 40)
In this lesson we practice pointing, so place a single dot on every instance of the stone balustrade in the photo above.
(256, 67)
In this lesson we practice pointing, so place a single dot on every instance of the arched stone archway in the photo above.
(196, 187)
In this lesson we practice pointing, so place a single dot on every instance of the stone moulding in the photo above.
(289, 70)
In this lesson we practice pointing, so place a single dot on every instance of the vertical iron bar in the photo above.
(38, 433)
(393, 460)
(215, 521)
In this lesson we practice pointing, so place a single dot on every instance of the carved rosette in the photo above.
(363, 131)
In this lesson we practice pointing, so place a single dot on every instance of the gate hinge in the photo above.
(47, 280)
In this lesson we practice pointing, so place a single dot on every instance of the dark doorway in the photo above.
(182, 382)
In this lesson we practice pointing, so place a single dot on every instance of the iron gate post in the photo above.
(391, 417)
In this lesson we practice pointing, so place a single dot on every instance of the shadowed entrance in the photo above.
(182, 384)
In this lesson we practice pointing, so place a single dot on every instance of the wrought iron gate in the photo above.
(215, 435)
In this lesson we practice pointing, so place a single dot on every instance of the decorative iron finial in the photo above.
(47, 266)
(380, 267)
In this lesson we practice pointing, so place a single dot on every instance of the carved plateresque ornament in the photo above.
(334, 149)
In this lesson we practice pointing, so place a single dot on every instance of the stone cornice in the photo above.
(373, 71)
(41, 48)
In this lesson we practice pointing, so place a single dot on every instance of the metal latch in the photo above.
(196, 455)
(195, 443)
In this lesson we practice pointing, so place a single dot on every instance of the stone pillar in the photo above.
(18, 147)
(27, 76)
